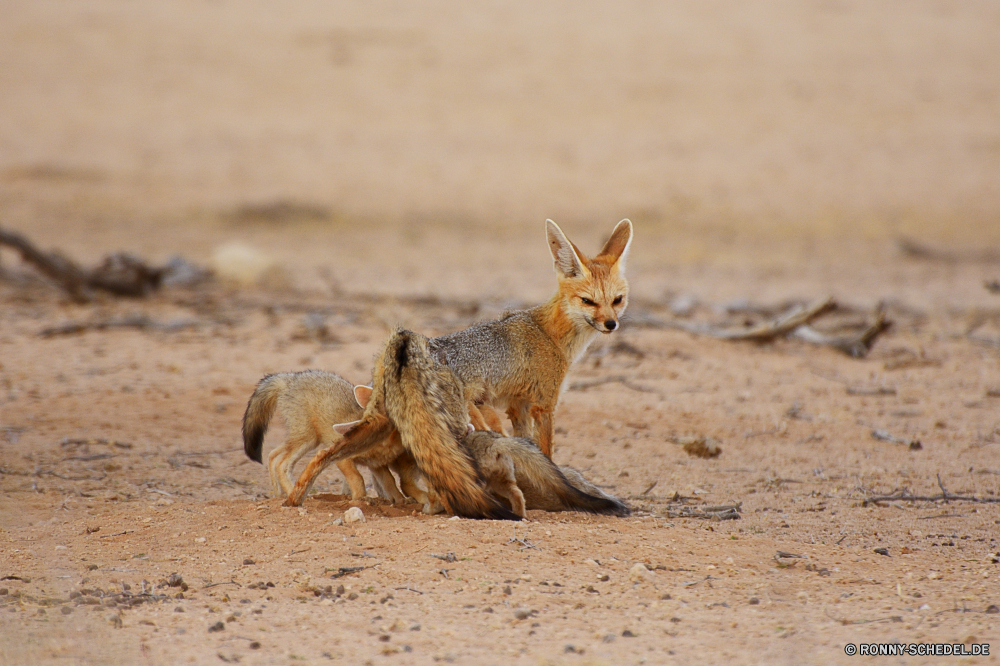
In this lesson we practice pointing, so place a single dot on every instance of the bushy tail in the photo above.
(427, 403)
(613, 505)
(546, 486)
(453, 474)
(260, 408)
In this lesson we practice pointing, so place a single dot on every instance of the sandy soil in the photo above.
(395, 165)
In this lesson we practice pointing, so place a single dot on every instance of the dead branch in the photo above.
(621, 379)
(726, 512)
(918, 250)
(857, 345)
(905, 496)
(139, 321)
(794, 323)
(797, 316)
(121, 274)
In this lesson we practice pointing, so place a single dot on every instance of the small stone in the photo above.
(507, 591)
(91, 567)
(354, 515)
(115, 621)
(352, 596)
(66, 610)
(415, 626)
(175, 580)
(640, 574)
(604, 578)
(218, 626)
(248, 561)
(628, 634)
(178, 609)
(384, 638)
(572, 649)
(882, 551)
(992, 609)
(523, 613)
(608, 638)
(255, 645)
(754, 601)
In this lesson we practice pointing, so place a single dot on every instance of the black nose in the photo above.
(611, 324)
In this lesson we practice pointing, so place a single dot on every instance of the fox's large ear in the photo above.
(362, 394)
(617, 246)
(344, 428)
(567, 261)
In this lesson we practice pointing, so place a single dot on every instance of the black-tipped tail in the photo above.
(257, 417)
(580, 495)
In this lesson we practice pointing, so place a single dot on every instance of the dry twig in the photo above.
(121, 273)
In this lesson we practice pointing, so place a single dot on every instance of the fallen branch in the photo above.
(798, 316)
(724, 512)
(621, 379)
(905, 496)
(857, 345)
(917, 250)
(139, 321)
(794, 323)
(121, 273)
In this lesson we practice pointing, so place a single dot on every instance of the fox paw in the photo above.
(434, 508)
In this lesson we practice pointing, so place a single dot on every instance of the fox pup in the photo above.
(427, 403)
(311, 402)
(517, 471)
(521, 360)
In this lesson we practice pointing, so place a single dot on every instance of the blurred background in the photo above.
(394, 147)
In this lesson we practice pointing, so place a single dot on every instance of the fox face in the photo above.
(594, 291)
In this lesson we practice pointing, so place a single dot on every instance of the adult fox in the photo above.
(521, 359)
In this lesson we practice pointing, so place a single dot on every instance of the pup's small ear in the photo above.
(363, 394)
(344, 428)
(469, 428)
(565, 256)
(617, 246)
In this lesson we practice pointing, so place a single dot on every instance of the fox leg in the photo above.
(492, 419)
(356, 442)
(282, 459)
(543, 427)
(353, 478)
(385, 484)
(408, 474)
(476, 417)
(504, 483)
(272, 471)
(520, 417)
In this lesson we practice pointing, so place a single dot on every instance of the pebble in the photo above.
(640, 574)
(354, 515)
(218, 626)
(523, 613)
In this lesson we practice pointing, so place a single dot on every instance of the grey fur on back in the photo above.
(495, 352)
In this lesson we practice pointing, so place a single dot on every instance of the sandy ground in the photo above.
(394, 165)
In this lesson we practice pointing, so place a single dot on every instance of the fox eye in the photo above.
(617, 301)
(587, 301)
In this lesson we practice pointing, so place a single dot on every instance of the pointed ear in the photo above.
(568, 262)
(363, 394)
(617, 246)
(344, 428)
(469, 428)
